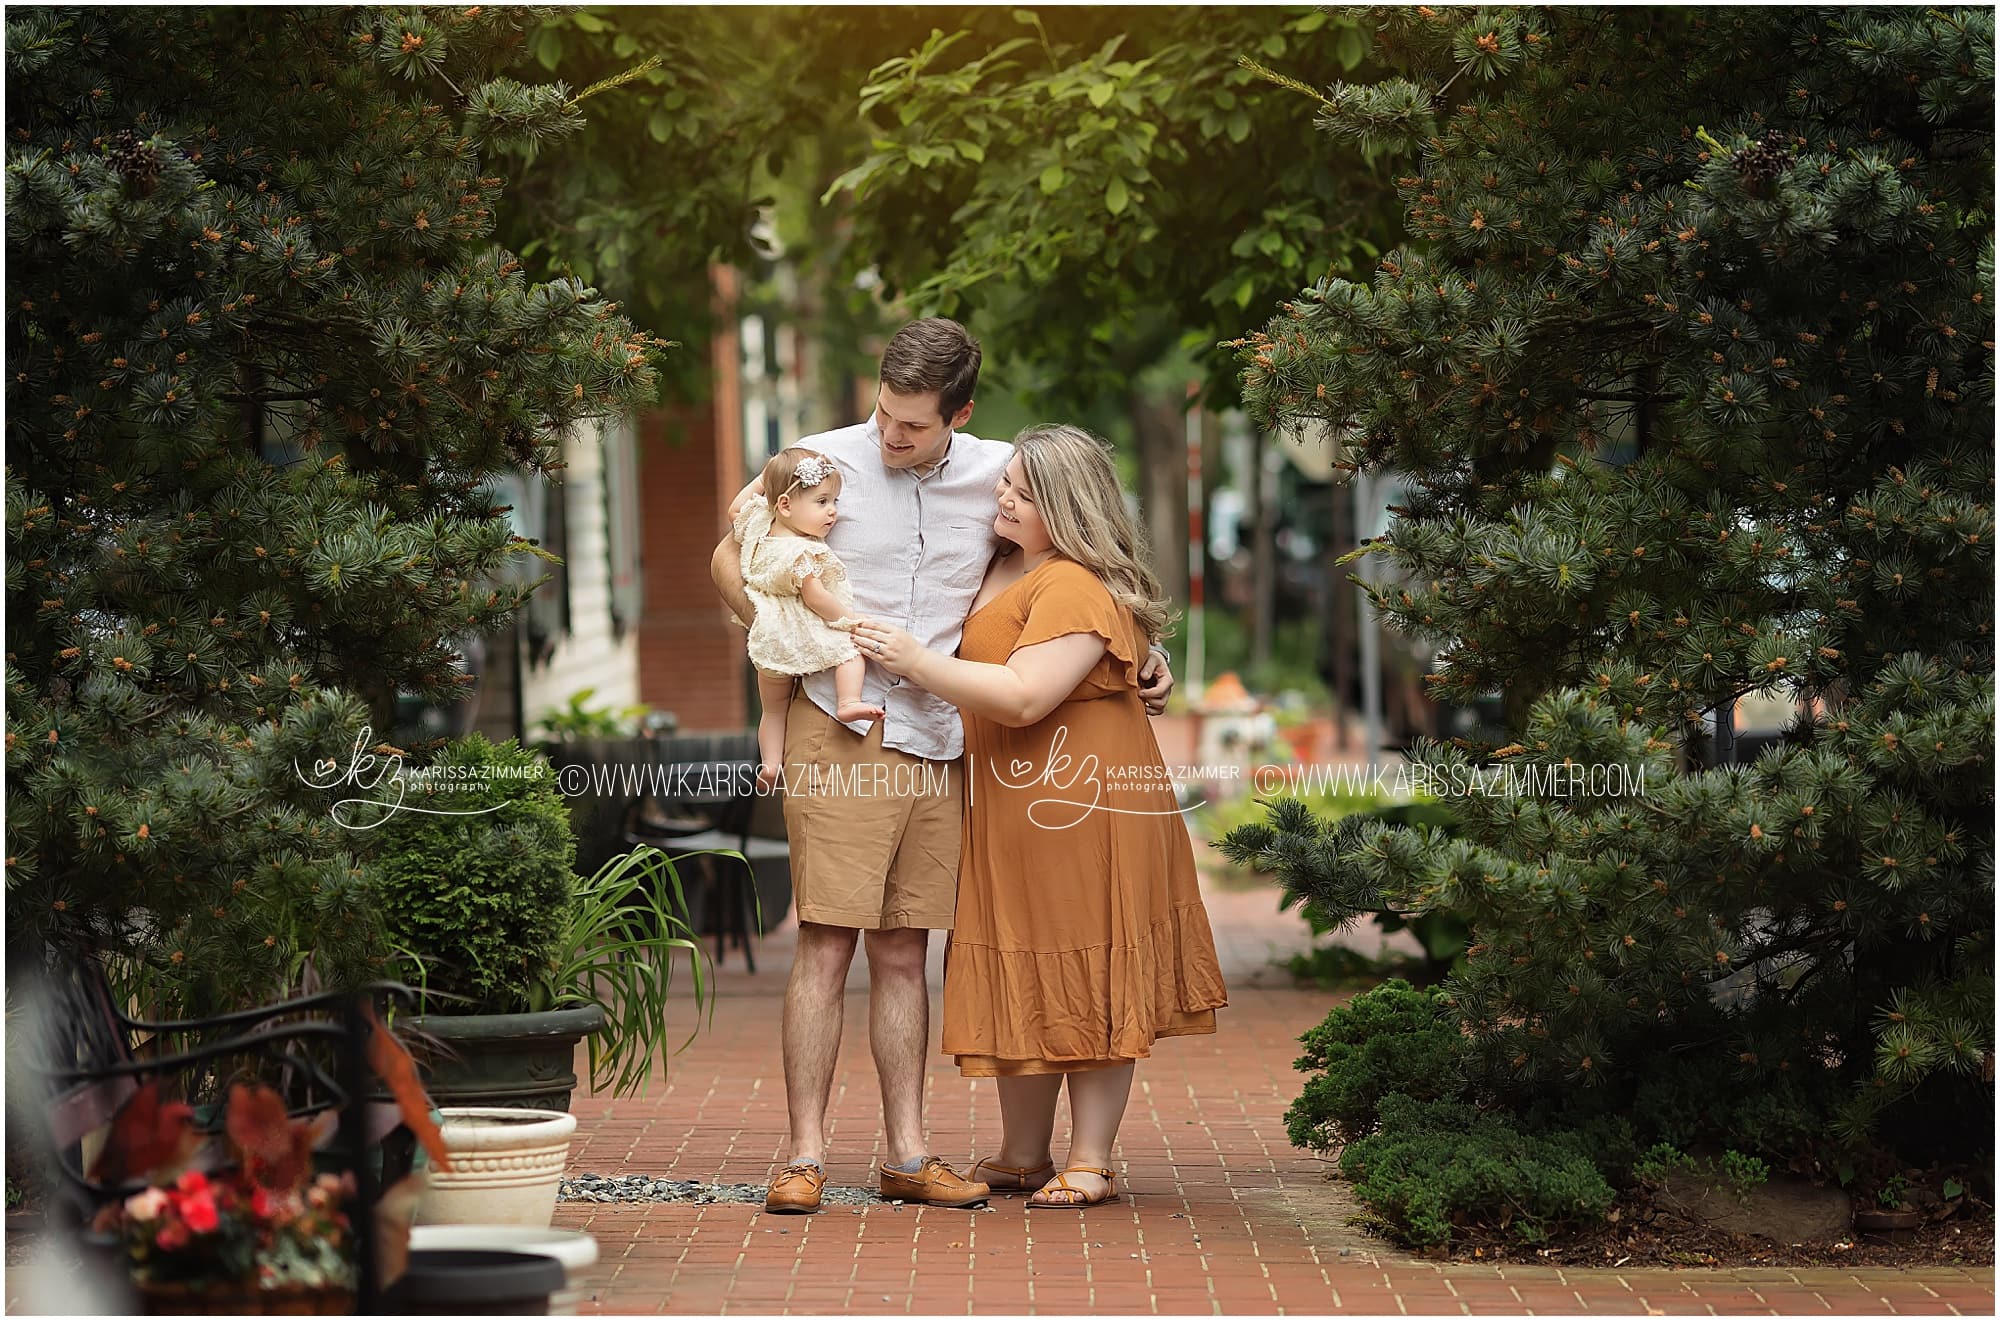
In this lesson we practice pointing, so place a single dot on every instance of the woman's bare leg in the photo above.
(1097, 1100)
(1027, 1119)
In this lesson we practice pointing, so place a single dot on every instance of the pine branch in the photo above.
(1628, 396)
(639, 70)
(274, 396)
(1283, 80)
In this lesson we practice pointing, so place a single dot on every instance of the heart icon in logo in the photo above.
(324, 767)
(1022, 767)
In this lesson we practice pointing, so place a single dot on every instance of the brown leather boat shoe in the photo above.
(935, 1184)
(796, 1190)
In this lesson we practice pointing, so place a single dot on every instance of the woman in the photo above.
(1080, 934)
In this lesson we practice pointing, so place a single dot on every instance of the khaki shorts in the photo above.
(874, 832)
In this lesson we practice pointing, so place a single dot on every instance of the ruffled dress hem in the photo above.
(1081, 1018)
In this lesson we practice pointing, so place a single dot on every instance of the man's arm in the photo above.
(754, 490)
(725, 569)
(1156, 681)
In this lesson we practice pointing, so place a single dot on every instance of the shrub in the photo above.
(266, 369)
(1224, 817)
(473, 874)
(1794, 503)
(1332, 967)
(1438, 1166)
(1393, 1039)
(1707, 1105)
(1443, 935)
(1739, 1173)
(1294, 837)
(1742, 1173)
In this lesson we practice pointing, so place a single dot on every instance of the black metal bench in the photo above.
(88, 1058)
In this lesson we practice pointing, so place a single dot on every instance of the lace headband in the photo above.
(810, 473)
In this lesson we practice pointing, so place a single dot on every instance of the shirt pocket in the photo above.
(956, 559)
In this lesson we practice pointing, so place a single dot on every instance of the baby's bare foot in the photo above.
(849, 712)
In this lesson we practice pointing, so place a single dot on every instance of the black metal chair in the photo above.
(89, 1057)
(707, 814)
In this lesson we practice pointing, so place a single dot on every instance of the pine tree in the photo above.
(264, 366)
(1688, 361)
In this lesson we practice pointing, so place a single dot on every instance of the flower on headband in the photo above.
(811, 472)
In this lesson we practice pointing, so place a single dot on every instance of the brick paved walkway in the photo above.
(1221, 1215)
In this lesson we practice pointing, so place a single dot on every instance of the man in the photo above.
(915, 534)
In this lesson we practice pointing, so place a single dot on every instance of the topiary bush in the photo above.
(1437, 1167)
(1392, 1039)
(473, 875)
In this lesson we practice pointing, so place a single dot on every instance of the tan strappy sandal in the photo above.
(1084, 1199)
(1022, 1180)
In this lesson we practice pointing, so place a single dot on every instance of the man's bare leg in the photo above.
(813, 999)
(899, 1029)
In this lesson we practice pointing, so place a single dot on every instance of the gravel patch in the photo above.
(645, 1188)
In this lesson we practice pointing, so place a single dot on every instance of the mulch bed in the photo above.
(1646, 1234)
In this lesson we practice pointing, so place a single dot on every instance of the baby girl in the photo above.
(803, 599)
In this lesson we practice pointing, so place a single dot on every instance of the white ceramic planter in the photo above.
(506, 1164)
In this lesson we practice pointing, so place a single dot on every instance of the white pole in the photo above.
(1365, 514)
(1196, 559)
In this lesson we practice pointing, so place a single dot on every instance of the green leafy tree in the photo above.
(1097, 189)
(674, 168)
(728, 124)
(265, 363)
(1101, 193)
(1688, 361)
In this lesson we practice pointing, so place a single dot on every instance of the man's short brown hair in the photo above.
(935, 353)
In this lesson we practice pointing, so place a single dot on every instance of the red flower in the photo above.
(199, 1212)
(260, 1202)
(172, 1236)
(194, 1181)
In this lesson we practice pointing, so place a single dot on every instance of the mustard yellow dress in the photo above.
(1080, 936)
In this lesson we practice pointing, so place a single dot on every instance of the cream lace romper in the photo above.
(787, 637)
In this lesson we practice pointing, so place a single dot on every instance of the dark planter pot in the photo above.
(476, 1282)
(523, 1060)
(1875, 1220)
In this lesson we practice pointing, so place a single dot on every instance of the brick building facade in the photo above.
(691, 658)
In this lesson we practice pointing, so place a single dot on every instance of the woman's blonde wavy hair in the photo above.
(1075, 486)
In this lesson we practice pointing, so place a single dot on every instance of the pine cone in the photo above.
(136, 160)
(1759, 163)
